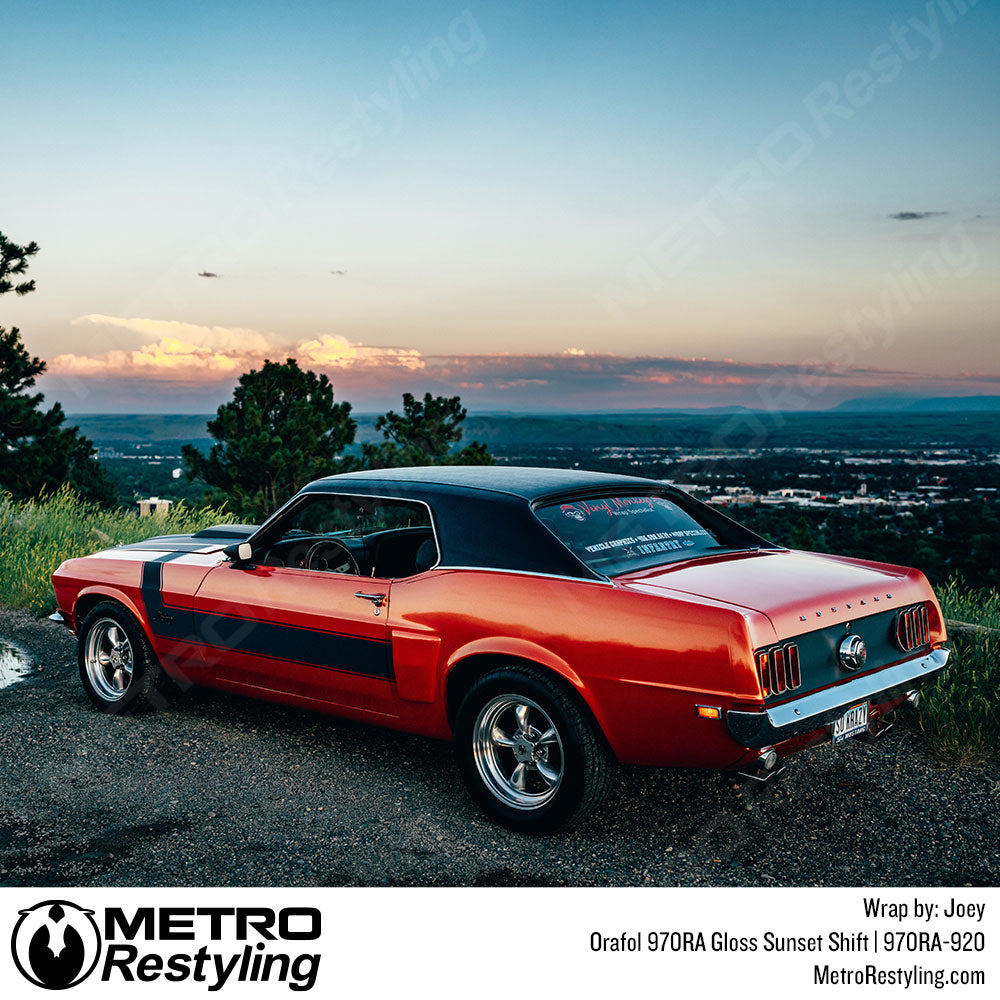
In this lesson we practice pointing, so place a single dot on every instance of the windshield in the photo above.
(622, 534)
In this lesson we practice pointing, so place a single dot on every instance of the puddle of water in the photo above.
(14, 664)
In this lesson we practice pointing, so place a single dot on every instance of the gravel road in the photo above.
(222, 790)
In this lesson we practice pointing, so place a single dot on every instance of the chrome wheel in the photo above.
(108, 659)
(518, 751)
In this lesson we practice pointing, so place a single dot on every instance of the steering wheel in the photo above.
(339, 560)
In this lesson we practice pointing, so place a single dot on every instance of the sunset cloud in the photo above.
(522, 383)
(339, 352)
(197, 366)
(168, 356)
(227, 339)
(188, 351)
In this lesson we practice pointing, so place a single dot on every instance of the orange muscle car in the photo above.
(551, 622)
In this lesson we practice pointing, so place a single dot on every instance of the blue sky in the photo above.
(582, 205)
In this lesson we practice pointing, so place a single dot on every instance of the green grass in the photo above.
(961, 710)
(36, 536)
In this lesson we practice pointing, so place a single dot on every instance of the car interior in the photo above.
(385, 538)
(389, 554)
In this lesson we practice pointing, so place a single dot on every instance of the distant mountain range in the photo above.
(920, 404)
(189, 426)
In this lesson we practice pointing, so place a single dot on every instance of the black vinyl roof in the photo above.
(483, 514)
(527, 483)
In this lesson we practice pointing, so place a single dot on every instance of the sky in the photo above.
(537, 205)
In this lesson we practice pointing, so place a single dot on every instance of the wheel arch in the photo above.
(90, 597)
(465, 668)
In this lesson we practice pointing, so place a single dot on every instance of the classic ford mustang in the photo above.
(551, 622)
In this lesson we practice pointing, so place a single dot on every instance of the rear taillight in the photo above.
(913, 628)
(779, 669)
(794, 671)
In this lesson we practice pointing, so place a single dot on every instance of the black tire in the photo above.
(147, 689)
(578, 751)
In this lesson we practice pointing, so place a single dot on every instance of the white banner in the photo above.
(745, 943)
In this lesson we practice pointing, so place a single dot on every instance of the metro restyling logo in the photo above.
(57, 944)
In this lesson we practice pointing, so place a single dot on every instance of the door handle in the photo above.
(377, 599)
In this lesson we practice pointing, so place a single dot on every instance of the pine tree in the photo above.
(801, 536)
(423, 434)
(37, 451)
(280, 430)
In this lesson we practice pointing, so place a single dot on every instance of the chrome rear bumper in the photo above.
(812, 711)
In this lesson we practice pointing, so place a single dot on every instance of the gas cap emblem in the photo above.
(853, 652)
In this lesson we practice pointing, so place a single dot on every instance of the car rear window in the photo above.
(621, 534)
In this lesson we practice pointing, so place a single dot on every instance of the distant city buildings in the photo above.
(735, 496)
(825, 479)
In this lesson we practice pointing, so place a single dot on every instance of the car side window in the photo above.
(387, 538)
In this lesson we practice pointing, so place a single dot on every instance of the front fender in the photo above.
(114, 594)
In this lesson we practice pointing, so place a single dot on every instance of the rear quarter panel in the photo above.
(640, 661)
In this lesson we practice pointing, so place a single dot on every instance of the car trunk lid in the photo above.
(797, 591)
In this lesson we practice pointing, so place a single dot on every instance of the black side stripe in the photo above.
(311, 647)
(166, 621)
(347, 653)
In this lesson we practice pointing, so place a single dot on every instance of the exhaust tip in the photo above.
(914, 698)
(764, 767)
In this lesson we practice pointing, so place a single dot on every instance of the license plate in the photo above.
(852, 722)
